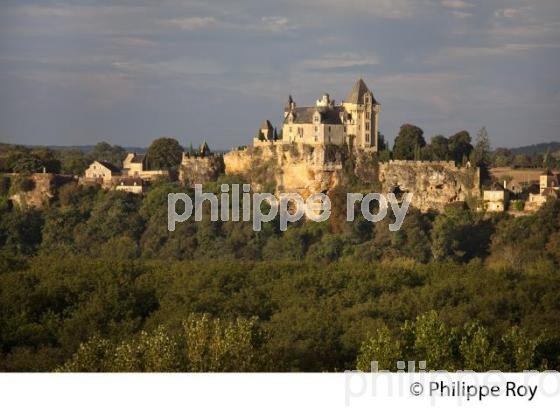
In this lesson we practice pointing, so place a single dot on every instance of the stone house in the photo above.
(496, 198)
(101, 171)
(134, 165)
(130, 184)
(549, 189)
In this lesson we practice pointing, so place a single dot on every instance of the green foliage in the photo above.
(408, 143)
(95, 281)
(26, 184)
(460, 147)
(382, 348)
(104, 151)
(467, 347)
(5, 184)
(164, 153)
(203, 345)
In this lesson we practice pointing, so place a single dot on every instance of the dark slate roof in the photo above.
(356, 96)
(138, 158)
(304, 115)
(495, 187)
(131, 181)
(266, 125)
(110, 166)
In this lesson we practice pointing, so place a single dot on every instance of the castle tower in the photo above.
(362, 112)
(290, 105)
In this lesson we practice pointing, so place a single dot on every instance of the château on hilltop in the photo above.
(329, 145)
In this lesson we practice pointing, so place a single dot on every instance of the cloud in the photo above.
(456, 4)
(273, 24)
(450, 55)
(342, 62)
(129, 41)
(276, 23)
(461, 14)
(390, 9)
(192, 23)
(512, 13)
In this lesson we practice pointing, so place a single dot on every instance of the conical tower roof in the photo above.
(356, 96)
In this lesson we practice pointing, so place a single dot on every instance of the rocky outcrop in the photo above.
(200, 170)
(299, 168)
(309, 169)
(433, 184)
(43, 189)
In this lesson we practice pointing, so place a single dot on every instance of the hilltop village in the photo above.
(320, 148)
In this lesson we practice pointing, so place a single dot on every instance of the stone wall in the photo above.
(433, 184)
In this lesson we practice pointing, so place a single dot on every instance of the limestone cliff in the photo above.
(304, 169)
(307, 169)
(199, 170)
(433, 184)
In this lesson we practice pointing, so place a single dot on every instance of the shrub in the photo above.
(5, 183)
(26, 185)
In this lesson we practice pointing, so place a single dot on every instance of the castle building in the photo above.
(355, 121)
(266, 131)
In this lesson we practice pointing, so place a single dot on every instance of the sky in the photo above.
(129, 71)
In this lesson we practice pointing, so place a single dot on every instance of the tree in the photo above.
(104, 151)
(408, 142)
(480, 155)
(460, 146)
(5, 183)
(164, 153)
(25, 163)
(549, 161)
(439, 148)
(48, 159)
(383, 349)
(502, 157)
(26, 184)
(73, 161)
(260, 135)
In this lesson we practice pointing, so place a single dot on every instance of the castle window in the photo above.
(290, 129)
(367, 126)
(316, 128)
(367, 137)
(329, 129)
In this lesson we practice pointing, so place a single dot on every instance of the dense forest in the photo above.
(95, 282)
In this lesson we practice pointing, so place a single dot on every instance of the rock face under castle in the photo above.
(353, 122)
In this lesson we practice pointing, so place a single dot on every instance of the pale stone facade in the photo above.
(548, 190)
(134, 166)
(355, 121)
(102, 171)
(132, 185)
(496, 198)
